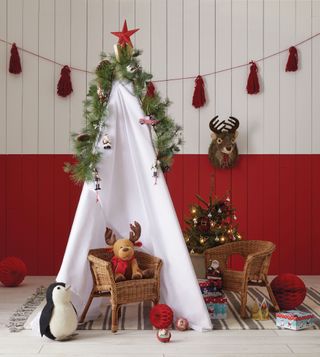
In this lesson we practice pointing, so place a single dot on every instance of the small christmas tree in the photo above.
(211, 224)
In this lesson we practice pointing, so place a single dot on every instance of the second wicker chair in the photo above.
(257, 255)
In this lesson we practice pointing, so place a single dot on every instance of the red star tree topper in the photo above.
(124, 35)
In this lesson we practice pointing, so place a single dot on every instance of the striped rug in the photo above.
(136, 316)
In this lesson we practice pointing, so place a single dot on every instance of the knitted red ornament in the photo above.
(15, 64)
(12, 271)
(64, 87)
(292, 64)
(253, 82)
(199, 97)
(289, 291)
(161, 316)
(150, 89)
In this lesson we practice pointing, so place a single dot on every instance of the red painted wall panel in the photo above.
(277, 197)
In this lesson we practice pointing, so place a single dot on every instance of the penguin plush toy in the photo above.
(58, 319)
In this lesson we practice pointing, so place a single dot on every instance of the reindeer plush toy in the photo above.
(223, 150)
(124, 263)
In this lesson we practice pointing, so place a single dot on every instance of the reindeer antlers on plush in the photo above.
(135, 231)
(230, 126)
(109, 237)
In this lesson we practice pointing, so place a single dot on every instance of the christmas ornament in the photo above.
(101, 95)
(223, 150)
(124, 35)
(292, 64)
(161, 316)
(209, 215)
(83, 137)
(106, 142)
(155, 170)
(64, 87)
(204, 224)
(164, 335)
(131, 68)
(289, 291)
(149, 119)
(12, 271)
(199, 98)
(103, 65)
(150, 90)
(15, 64)
(182, 324)
(253, 82)
(97, 180)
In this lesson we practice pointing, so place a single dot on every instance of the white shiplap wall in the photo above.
(179, 38)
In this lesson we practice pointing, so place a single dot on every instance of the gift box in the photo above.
(209, 287)
(294, 319)
(217, 307)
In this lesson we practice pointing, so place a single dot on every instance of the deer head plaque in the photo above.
(223, 150)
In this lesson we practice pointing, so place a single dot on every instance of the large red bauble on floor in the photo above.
(161, 316)
(12, 271)
(289, 291)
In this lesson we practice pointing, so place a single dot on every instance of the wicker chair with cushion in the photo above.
(124, 292)
(257, 255)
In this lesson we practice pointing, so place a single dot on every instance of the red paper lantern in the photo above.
(161, 316)
(12, 271)
(289, 291)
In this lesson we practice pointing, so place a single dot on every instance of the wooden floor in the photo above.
(144, 343)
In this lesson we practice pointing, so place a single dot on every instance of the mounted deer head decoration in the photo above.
(223, 150)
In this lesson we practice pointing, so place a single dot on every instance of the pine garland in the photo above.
(124, 66)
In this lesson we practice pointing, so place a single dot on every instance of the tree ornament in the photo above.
(103, 65)
(106, 142)
(150, 89)
(64, 87)
(15, 64)
(182, 324)
(101, 94)
(204, 224)
(83, 137)
(12, 271)
(209, 215)
(164, 335)
(253, 86)
(195, 221)
(228, 199)
(132, 69)
(124, 35)
(149, 119)
(161, 316)
(292, 64)
(199, 98)
(217, 239)
(155, 170)
(97, 180)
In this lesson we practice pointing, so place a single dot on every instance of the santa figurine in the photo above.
(214, 275)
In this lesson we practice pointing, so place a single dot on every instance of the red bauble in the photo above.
(161, 316)
(289, 291)
(204, 224)
(12, 271)
(182, 324)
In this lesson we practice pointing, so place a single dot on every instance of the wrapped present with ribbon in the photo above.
(294, 319)
(217, 307)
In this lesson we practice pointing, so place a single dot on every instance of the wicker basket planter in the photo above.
(199, 266)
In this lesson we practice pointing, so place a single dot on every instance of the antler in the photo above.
(232, 125)
(135, 231)
(215, 126)
(109, 237)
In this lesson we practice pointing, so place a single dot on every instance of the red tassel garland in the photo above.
(64, 87)
(15, 64)
(292, 64)
(150, 89)
(253, 81)
(199, 97)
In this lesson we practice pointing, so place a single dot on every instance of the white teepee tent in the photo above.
(128, 194)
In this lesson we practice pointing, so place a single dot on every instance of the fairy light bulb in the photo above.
(239, 236)
(202, 240)
(229, 230)
(222, 239)
(193, 210)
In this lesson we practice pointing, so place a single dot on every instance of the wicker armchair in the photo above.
(257, 255)
(124, 292)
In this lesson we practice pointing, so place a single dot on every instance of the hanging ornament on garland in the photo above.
(149, 119)
(199, 98)
(253, 86)
(155, 170)
(64, 87)
(292, 64)
(15, 64)
(101, 94)
(83, 137)
(97, 180)
(106, 142)
(150, 89)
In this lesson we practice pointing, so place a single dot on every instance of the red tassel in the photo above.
(15, 64)
(199, 97)
(292, 64)
(150, 89)
(253, 82)
(64, 87)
